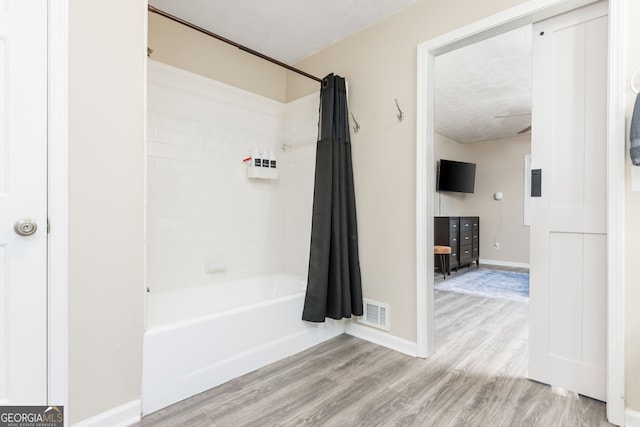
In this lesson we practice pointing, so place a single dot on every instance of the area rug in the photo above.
(489, 283)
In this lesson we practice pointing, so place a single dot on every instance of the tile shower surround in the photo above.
(201, 207)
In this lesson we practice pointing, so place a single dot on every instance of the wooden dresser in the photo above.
(462, 233)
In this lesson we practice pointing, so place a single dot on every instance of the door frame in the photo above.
(527, 13)
(58, 205)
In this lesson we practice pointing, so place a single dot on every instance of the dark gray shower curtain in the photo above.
(334, 286)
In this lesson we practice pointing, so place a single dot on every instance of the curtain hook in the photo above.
(400, 114)
(356, 128)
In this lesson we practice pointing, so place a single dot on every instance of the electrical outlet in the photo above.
(496, 245)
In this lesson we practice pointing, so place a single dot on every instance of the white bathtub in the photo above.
(201, 337)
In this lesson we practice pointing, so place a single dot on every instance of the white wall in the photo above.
(106, 211)
(298, 164)
(202, 208)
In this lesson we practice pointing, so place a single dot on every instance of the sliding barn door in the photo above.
(568, 230)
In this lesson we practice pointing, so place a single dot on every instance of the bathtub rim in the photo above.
(211, 316)
(165, 325)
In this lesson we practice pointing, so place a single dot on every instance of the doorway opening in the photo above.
(483, 118)
(527, 13)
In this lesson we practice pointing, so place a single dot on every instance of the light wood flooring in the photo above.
(476, 378)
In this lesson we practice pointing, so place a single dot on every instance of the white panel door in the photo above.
(567, 339)
(23, 186)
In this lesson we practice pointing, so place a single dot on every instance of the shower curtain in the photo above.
(334, 286)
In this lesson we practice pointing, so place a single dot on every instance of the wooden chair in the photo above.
(443, 253)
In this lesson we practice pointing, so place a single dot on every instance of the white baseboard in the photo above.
(504, 263)
(382, 338)
(121, 416)
(631, 418)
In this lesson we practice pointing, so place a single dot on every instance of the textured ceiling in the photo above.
(479, 82)
(288, 30)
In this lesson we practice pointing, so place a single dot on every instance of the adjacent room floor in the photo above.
(476, 378)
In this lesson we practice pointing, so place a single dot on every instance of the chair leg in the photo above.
(442, 269)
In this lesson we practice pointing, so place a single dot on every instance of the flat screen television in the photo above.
(456, 176)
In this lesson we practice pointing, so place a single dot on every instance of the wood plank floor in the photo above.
(476, 378)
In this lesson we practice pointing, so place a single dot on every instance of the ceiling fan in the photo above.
(525, 130)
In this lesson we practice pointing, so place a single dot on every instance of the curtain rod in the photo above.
(231, 42)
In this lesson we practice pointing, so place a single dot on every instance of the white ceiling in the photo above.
(473, 84)
(288, 30)
(480, 82)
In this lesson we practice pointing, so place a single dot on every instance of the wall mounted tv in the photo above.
(456, 176)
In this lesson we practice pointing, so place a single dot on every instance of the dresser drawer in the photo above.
(466, 254)
(466, 237)
(466, 224)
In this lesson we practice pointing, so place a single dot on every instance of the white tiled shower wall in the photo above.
(202, 210)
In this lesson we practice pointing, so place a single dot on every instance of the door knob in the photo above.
(25, 227)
